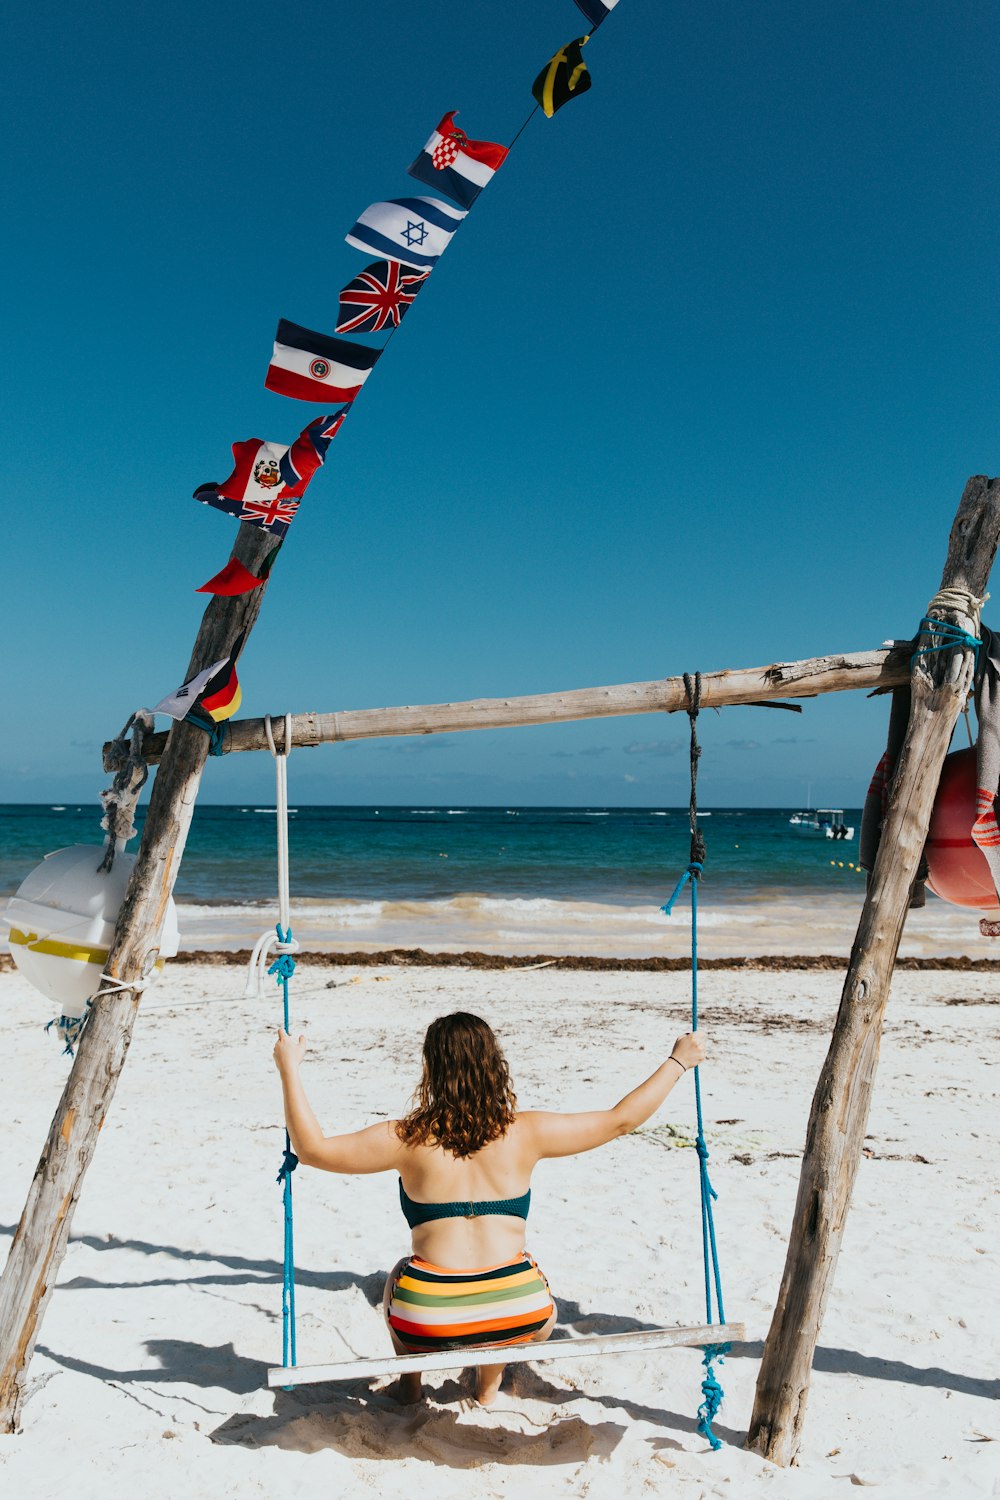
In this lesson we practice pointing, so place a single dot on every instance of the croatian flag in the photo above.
(317, 367)
(596, 11)
(415, 231)
(455, 165)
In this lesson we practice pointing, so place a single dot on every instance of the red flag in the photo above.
(234, 579)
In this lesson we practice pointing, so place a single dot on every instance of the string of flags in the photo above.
(408, 236)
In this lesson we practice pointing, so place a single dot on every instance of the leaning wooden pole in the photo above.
(42, 1234)
(940, 683)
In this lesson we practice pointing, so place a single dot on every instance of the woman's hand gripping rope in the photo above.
(289, 1052)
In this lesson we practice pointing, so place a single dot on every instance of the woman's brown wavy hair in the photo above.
(464, 1099)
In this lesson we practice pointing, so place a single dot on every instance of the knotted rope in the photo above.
(962, 602)
(217, 733)
(120, 798)
(712, 1391)
(69, 1029)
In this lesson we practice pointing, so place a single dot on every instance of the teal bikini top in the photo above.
(420, 1213)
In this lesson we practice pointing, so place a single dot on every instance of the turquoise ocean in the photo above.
(501, 879)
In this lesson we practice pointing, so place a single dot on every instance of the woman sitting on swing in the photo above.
(465, 1155)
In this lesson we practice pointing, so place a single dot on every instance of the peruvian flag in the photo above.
(316, 366)
(257, 472)
(273, 471)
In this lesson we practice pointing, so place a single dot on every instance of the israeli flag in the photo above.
(413, 231)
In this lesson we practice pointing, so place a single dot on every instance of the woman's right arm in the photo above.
(565, 1135)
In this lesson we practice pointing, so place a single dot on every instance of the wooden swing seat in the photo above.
(587, 1347)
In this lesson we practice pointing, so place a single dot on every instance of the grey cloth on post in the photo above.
(877, 799)
(987, 690)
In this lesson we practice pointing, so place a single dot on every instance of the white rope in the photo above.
(269, 942)
(960, 600)
(111, 986)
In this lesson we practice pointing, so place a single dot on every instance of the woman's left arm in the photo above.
(375, 1149)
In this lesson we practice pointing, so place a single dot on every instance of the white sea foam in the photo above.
(780, 924)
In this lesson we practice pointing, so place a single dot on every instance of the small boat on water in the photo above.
(828, 822)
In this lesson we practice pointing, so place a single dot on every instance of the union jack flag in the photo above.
(270, 514)
(378, 298)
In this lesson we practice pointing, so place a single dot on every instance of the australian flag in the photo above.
(377, 298)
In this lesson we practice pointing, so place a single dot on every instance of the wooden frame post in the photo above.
(840, 1107)
(839, 1115)
(40, 1241)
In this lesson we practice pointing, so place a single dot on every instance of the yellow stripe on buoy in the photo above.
(82, 953)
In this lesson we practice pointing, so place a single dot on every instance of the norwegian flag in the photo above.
(453, 164)
(378, 297)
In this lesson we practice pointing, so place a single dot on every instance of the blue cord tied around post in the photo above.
(216, 732)
(952, 635)
(283, 968)
(712, 1392)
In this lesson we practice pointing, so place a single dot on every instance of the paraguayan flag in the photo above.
(414, 231)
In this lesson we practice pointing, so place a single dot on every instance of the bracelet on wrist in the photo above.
(682, 1066)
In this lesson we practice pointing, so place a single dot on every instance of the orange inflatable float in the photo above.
(957, 868)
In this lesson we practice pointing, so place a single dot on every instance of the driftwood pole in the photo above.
(842, 673)
(42, 1234)
(839, 1115)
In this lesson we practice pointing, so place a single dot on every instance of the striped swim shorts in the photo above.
(434, 1307)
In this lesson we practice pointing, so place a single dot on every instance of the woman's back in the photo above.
(497, 1173)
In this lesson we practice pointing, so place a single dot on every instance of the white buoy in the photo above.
(62, 919)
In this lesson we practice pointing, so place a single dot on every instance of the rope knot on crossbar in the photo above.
(120, 798)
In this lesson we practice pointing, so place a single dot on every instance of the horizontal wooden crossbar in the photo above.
(839, 673)
(513, 1354)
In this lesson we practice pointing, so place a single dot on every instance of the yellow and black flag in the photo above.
(563, 77)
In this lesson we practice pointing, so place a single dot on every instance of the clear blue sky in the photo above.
(697, 384)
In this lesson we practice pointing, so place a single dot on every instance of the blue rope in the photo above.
(283, 968)
(953, 635)
(710, 1387)
(69, 1029)
(711, 1390)
(216, 732)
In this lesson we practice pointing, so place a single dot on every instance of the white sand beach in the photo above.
(149, 1377)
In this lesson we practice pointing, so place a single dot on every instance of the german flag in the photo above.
(563, 77)
(223, 694)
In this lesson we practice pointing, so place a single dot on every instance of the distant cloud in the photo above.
(793, 739)
(654, 747)
(630, 778)
(743, 744)
(421, 746)
(591, 750)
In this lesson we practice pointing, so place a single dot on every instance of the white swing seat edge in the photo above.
(586, 1347)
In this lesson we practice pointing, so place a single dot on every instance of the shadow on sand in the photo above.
(361, 1422)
